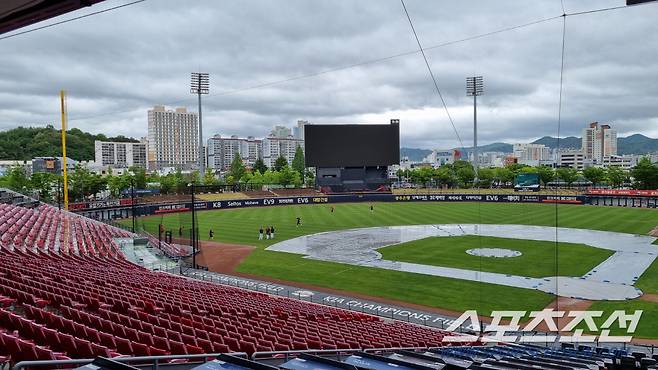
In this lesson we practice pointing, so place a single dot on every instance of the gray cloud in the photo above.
(116, 65)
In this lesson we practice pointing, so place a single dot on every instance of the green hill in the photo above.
(565, 142)
(25, 143)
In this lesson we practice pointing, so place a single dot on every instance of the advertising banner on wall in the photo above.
(354, 198)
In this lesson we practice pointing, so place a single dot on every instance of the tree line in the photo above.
(461, 174)
(25, 143)
(85, 184)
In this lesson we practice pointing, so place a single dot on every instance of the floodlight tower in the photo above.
(475, 88)
(200, 85)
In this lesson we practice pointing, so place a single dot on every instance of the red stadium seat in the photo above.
(79, 295)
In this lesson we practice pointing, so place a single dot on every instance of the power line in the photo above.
(429, 69)
(349, 66)
(336, 69)
(70, 19)
(383, 59)
(608, 9)
(124, 111)
(598, 10)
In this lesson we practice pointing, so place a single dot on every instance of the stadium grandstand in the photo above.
(67, 291)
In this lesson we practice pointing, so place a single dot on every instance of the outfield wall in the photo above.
(334, 199)
(155, 209)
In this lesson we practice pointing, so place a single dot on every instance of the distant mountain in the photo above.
(634, 144)
(414, 154)
(565, 142)
(493, 147)
(637, 144)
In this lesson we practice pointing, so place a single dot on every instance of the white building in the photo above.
(298, 131)
(280, 142)
(624, 161)
(493, 159)
(599, 141)
(119, 154)
(531, 152)
(440, 157)
(6, 165)
(573, 158)
(173, 138)
(273, 147)
(221, 151)
(405, 164)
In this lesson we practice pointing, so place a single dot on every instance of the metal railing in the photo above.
(335, 353)
(153, 361)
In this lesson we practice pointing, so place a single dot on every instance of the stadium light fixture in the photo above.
(200, 85)
(475, 88)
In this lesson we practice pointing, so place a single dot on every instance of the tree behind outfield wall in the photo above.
(167, 184)
(45, 184)
(209, 177)
(503, 175)
(567, 174)
(616, 176)
(260, 166)
(271, 177)
(257, 180)
(422, 176)
(465, 176)
(485, 177)
(138, 175)
(518, 168)
(444, 176)
(237, 169)
(546, 174)
(309, 178)
(287, 176)
(16, 179)
(280, 163)
(595, 175)
(180, 182)
(84, 183)
(298, 163)
(117, 184)
(645, 175)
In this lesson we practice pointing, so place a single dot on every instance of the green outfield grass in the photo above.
(241, 226)
(537, 258)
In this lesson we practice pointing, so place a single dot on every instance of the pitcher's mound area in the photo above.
(221, 257)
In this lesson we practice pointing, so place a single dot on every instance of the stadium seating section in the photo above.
(67, 291)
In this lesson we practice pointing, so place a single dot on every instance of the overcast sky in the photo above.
(118, 64)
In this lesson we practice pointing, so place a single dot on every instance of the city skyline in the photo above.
(298, 39)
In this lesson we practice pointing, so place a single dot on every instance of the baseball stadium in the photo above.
(354, 271)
